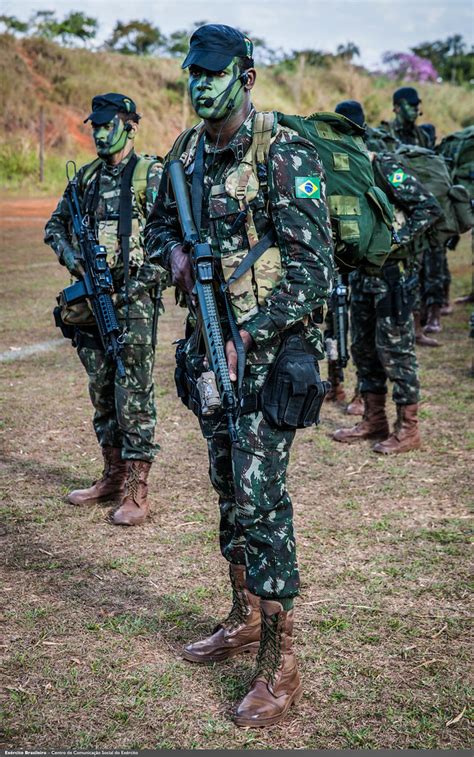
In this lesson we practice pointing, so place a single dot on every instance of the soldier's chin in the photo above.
(103, 152)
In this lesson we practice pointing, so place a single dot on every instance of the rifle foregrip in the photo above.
(181, 195)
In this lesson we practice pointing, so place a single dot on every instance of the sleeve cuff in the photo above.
(261, 328)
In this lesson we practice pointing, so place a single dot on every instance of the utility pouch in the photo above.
(76, 314)
(185, 383)
(68, 332)
(293, 392)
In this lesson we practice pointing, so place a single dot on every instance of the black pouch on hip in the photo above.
(293, 392)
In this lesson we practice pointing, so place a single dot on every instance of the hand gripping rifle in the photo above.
(96, 284)
(203, 268)
(340, 324)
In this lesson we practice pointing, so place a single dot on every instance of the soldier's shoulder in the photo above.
(286, 138)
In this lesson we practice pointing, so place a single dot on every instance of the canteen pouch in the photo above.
(461, 203)
(78, 314)
(293, 392)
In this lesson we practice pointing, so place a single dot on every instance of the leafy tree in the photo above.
(77, 26)
(13, 25)
(450, 57)
(347, 51)
(136, 38)
(409, 67)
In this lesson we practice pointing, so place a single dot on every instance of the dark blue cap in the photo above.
(105, 107)
(406, 93)
(214, 46)
(351, 109)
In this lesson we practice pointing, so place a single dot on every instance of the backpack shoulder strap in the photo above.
(185, 143)
(263, 131)
(89, 172)
(140, 178)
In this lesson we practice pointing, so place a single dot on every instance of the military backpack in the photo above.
(458, 151)
(432, 171)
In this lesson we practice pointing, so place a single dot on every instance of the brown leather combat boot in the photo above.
(134, 506)
(276, 684)
(420, 337)
(336, 392)
(374, 422)
(433, 323)
(238, 633)
(108, 488)
(356, 405)
(406, 434)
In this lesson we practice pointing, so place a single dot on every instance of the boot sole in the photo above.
(96, 501)
(247, 649)
(396, 451)
(249, 723)
(371, 437)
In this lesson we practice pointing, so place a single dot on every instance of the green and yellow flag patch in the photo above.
(398, 177)
(308, 186)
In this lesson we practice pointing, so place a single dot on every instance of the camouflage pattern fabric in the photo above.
(256, 513)
(381, 348)
(406, 133)
(124, 411)
(432, 271)
(294, 280)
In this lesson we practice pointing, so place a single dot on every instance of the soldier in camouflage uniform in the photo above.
(382, 327)
(125, 414)
(433, 277)
(285, 287)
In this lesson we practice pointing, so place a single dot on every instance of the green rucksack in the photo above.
(139, 177)
(432, 171)
(361, 214)
(458, 151)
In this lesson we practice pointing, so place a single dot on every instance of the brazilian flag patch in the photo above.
(308, 186)
(398, 177)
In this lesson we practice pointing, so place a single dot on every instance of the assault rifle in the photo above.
(340, 323)
(96, 284)
(203, 267)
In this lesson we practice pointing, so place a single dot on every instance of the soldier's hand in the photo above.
(231, 353)
(181, 269)
(70, 260)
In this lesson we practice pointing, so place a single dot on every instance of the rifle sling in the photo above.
(254, 254)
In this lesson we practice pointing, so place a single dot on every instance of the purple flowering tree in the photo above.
(409, 67)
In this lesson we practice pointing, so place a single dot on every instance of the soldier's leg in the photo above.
(370, 372)
(110, 486)
(447, 308)
(396, 349)
(136, 416)
(433, 263)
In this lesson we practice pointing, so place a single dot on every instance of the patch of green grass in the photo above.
(332, 625)
(358, 739)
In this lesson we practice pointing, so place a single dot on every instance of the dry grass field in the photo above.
(94, 616)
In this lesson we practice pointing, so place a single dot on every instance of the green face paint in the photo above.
(224, 88)
(110, 138)
(409, 113)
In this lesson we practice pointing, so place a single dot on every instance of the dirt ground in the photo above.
(94, 616)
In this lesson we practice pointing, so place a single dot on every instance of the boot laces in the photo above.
(239, 609)
(269, 653)
(133, 481)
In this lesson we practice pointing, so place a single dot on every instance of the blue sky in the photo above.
(374, 25)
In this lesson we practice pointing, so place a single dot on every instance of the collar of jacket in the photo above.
(117, 169)
(240, 142)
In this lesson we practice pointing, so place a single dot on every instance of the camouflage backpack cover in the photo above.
(432, 171)
(458, 151)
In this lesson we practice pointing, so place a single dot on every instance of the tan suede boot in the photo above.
(420, 337)
(336, 392)
(356, 405)
(433, 322)
(406, 434)
(373, 424)
(108, 488)
(238, 633)
(276, 684)
(134, 506)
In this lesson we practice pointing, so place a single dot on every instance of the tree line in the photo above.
(445, 60)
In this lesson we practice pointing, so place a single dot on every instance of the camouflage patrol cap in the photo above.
(105, 107)
(406, 93)
(351, 109)
(213, 47)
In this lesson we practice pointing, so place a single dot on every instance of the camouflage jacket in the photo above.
(407, 134)
(416, 209)
(292, 279)
(378, 140)
(143, 274)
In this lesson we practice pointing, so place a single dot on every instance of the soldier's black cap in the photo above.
(351, 109)
(213, 46)
(406, 93)
(105, 107)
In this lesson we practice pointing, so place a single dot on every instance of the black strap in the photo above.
(197, 185)
(125, 225)
(250, 403)
(92, 196)
(237, 339)
(254, 254)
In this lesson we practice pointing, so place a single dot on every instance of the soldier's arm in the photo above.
(58, 232)
(162, 231)
(303, 230)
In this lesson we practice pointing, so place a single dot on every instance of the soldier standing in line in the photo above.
(283, 291)
(125, 414)
(382, 327)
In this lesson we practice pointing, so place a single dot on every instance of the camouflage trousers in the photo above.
(256, 513)
(125, 413)
(382, 348)
(433, 272)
